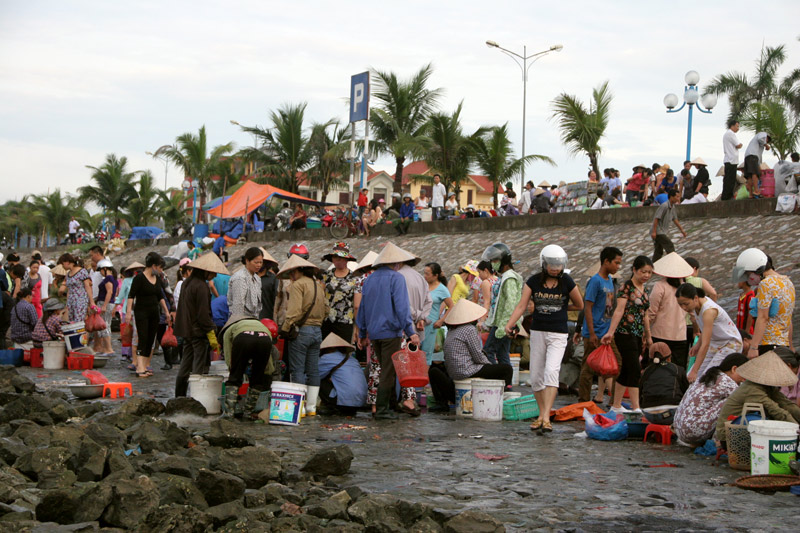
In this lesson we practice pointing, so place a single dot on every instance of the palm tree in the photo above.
(190, 153)
(113, 187)
(582, 128)
(494, 156)
(17, 220)
(773, 118)
(743, 92)
(142, 207)
(402, 114)
(171, 206)
(53, 211)
(329, 144)
(284, 150)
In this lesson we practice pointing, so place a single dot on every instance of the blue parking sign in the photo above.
(359, 97)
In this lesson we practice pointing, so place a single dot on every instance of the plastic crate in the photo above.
(523, 408)
(80, 361)
(37, 358)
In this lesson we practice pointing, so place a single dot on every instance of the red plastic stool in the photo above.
(664, 433)
(117, 390)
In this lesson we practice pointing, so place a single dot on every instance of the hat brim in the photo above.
(392, 254)
(292, 264)
(329, 257)
(335, 341)
(464, 312)
(673, 265)
(768, 369)
(210, 262)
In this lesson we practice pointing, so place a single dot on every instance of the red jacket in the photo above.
(362, 199)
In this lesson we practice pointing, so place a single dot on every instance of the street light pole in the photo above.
(158, 155)
(524, 66)
(691, 95)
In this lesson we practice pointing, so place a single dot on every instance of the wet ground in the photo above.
(559, 482)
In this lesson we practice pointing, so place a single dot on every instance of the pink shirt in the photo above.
(667, 319)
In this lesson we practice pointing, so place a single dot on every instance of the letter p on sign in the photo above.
(359, 97)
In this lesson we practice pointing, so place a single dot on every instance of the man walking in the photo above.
(437, 196)
(383, 317)
(73, 230)
(730, 148)
(752, 162)
(661, 223)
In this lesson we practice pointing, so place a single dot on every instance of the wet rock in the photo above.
(333, 461)
(377, 509)
(254, 498)
(473, 522)
(131, 501)
(86, 410)
(11, 448)
(118, 466)
(41, 460)
(14, 513)
(91, 460)
(426, 525)
(22, 384)
(255, 465)
(225, 512)
(154, 434)
(276, 492)
(56, 480)
(119, 420)
(293, 476)
(84, 502)
(19, 409)
(142, 407)
(219, 487)
(52, 527)
(171, 464)
(336, 526)
(178, 490)
(294, 524)
(227, 434)
(176, 518)
(184, 405)
(333, 507)
(244, 525)
(105, 434)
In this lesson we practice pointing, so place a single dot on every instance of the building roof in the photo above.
(420, 167)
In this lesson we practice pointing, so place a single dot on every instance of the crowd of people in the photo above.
(334, 329)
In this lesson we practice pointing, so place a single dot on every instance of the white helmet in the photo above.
(554, 256)
(751, 260)
(104, 263)
(1, 257)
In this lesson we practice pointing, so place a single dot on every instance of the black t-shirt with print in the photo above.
(550, 305)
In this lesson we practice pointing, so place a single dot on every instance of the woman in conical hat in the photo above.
(343, 387)
(667, 319)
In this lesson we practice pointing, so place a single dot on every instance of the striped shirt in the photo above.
(244, 294)
(463, 352)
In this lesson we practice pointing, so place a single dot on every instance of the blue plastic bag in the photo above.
(617, 431)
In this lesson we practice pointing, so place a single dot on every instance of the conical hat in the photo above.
(134, 265)
(721, 171)
(538, 191)
(699, 161)
(335, 341)
(366, 262)
(768, 369)
(544, 184)
(293, 263)
(267, 256)
(464, 312)
(58, 270)
(392, 253)
(672, 265)
(209, 262)
(234, 319)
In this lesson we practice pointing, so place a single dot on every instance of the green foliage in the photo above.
(329, 144)
(773, 118)
(142, 208)
(113, 187)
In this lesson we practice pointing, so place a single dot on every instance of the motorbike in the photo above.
(100, 236)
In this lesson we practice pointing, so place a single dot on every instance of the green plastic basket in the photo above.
(523, 408)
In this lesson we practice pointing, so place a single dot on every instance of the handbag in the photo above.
(294, 330)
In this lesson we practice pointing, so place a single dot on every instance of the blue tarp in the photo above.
(214, 203)
(233, 226)
(144, 232)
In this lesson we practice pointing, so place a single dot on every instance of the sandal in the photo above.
(132, 367)
(547, 427)
(143, 374)
(415, 412)
(537, 424)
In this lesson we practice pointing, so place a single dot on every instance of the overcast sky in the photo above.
(82, 79)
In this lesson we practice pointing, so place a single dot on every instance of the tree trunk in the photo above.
(494, 195)
(398, 176)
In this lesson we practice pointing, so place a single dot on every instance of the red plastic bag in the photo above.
(95, 377)
(126, 334)
(168, 340)
(603, 361)
(94, 321)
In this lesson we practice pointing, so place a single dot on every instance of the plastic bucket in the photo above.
(515, 365)
(286, 403)
(219, 368)
(768, 183)
(206, 390)
(464, 398)
(426, 215)
(524, 377)
(75, 336)
(772, 445)
(487, 399)
(54, 354)
(411, 367)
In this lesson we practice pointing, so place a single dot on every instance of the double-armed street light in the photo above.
(691, 97)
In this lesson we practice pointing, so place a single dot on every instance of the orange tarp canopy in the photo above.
(250, 197)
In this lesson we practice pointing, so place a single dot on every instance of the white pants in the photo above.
(547, 351)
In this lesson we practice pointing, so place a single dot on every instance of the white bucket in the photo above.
(219, 368)
(464, 398)
(75, 336)
(515, 365)
(772, 445)
(487, 399)
(206, 390)
(54, 354)
(524, 377)
(425, 215)
(286, 403)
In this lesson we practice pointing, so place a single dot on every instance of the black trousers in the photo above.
(345, 331)
(195, 361)
(384, 348)
(663, 245)
(255, 349)
(444, 388)
(630, 348)
(729, 181)
(147, 327)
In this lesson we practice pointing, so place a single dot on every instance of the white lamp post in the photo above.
(691, 95)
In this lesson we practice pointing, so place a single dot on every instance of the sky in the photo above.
(83, 79)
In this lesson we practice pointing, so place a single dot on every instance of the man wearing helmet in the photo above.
(506, 294)
(774, 321)
(554, 293)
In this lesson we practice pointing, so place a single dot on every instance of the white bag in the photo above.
(786, 203)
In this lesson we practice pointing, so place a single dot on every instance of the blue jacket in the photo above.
(219, 310)
(407, 210)
(385, 312)
(349, 383)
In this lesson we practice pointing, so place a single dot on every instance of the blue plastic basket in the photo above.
(12, 357)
